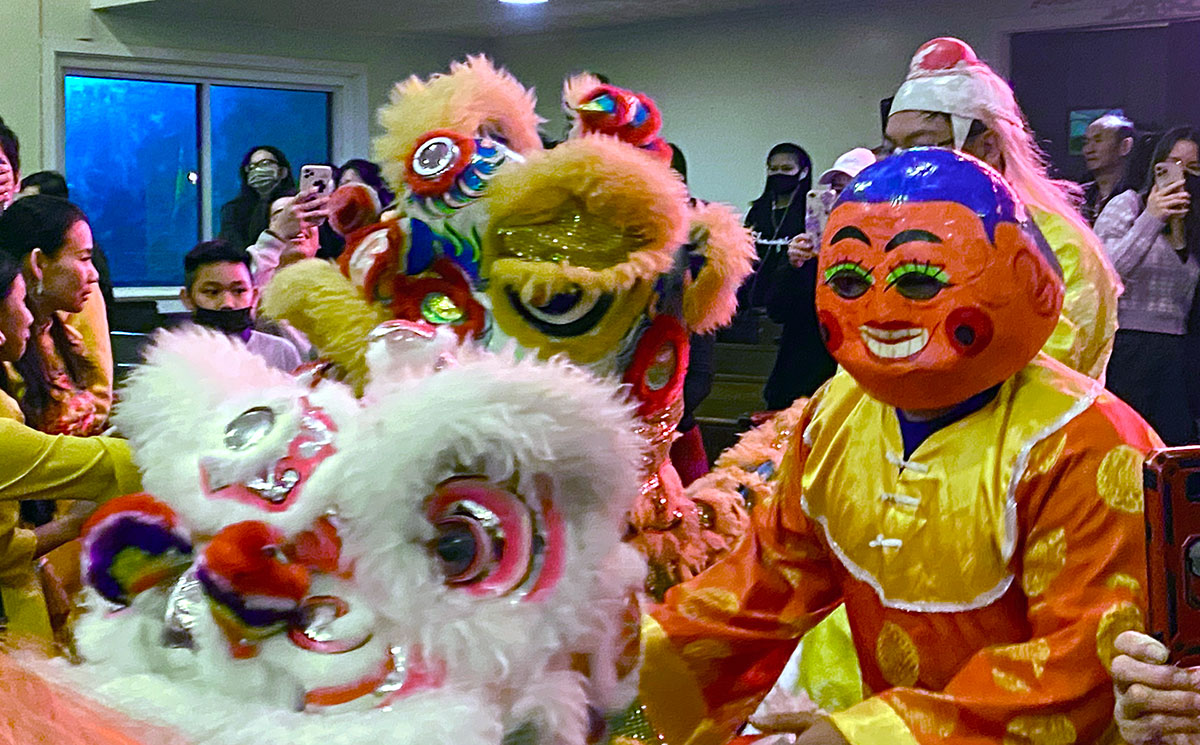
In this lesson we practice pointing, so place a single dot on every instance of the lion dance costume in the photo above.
(294, 576)
(989, 552)
(438, 534)
(590, 250)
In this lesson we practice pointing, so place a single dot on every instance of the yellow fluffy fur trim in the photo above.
(326, 307)
(633, 207)
(474, 96)
(728, 248)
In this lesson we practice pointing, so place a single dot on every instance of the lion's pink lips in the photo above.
(314, 615)
(893, 343)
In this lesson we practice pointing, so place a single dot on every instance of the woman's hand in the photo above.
(62, 529)
(306, 210)
(1156, 702)
(801, 249)
(1172, 201)
(8, 184)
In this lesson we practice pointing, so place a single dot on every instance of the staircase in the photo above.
(740, 371)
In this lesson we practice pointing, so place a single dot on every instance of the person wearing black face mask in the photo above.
(787, 292)
(221, 295)
(778, 214)
(1153, 240)
(774, 217)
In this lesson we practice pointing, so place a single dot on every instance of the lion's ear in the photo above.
(727, 251)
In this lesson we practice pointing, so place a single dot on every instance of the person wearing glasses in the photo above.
(1153, 240)
(266, 176)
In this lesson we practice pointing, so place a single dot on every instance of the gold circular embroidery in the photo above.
(1007, 681)
(709, 604)
(1044, 457)
(1055, 729)
(1119, 479)
(706, 649)
(1036, 653)
(1044, 559)
(1124, 581)
(1117, 619)
(930, 717)
(897, 656)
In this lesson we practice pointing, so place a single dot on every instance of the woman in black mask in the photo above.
(266, 176)
(774, 217)
(1153, 240)
(778, 213)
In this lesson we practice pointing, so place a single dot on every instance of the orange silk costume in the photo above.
(986, 573)
(1030, 663)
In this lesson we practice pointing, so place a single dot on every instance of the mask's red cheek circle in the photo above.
(970, 331)
(831, 332)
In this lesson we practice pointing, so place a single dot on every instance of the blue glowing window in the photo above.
(136, 153)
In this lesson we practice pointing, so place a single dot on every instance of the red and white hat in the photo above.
(946, 76)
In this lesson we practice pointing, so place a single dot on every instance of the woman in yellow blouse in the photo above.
(42, 466)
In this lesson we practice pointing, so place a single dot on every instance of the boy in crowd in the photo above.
(220, 293)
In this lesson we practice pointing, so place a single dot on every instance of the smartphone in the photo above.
(1172, 510)
(1167, 173)
(817, 206)
(317, 177)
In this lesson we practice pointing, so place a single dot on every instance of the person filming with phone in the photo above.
(1153, 240)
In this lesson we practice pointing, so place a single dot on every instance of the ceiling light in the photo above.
(523, 2)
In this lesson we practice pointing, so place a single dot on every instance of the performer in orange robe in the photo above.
(976, 505)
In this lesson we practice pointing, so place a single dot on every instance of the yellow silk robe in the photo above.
(40, 466)
(985, 577)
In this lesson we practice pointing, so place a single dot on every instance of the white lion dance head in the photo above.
(438, 562)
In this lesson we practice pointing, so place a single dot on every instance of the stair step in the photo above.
(731, 399)
(718, 435)
(744, 359)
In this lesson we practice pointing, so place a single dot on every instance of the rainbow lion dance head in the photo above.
(590, 250)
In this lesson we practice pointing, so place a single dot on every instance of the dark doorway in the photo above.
(1151, 72)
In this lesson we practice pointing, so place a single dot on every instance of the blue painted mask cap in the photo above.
(931, 174)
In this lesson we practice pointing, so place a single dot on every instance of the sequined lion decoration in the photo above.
(590, 250)
(293, 576)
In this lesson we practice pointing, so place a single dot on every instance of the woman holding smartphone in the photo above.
(1153, 240)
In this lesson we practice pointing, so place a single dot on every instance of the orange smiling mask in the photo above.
(933, 284)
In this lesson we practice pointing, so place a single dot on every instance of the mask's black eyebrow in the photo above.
(908, 236)
(850, 232)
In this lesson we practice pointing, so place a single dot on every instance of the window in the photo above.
(150, 140)
(133, 152)
(132, 164)
(296, 122)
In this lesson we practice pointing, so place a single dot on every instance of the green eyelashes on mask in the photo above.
(849, 279)
(918, 280)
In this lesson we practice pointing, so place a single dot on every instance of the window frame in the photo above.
(345, 82)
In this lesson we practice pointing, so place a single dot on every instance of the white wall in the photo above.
(28, 25)
(811, 72)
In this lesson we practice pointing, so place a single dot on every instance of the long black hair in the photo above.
(42, 221)
(801, 155)
(1163, 148)
(1191, 221)
(10, 267)
(248, 214)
